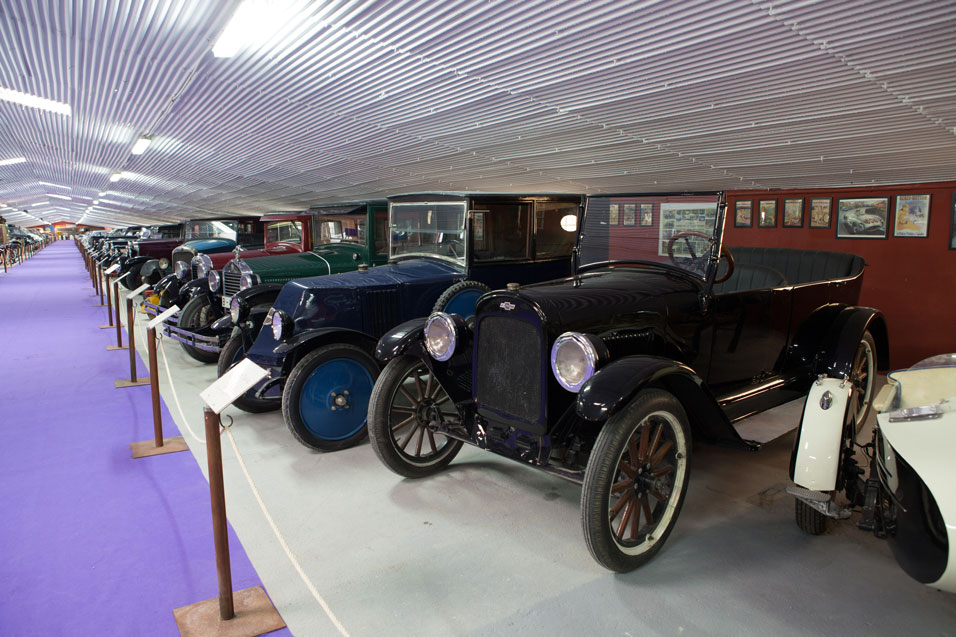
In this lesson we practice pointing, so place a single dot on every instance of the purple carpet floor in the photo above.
(92, 541)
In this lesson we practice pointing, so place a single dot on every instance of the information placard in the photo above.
(138, 291)
(160, 318)
(233, 384)
(120, 278)
(113, 268)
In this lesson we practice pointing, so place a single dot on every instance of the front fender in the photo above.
(845, 334)
(292, 350)
(615, 385)
(259, 294)
(815, 459)
(400, 340)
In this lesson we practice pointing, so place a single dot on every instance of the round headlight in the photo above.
(235, 310)
(163, 263)
(201, 270)
(280, 323)
(573, 360)
(440, 336)
(203, 265)
(213, 279)
(247, 280)
(180, 269)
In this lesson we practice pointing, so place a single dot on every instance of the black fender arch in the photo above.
(292, 350)
(844, 335)
(614, 386)
(405, 338)
(259, 294)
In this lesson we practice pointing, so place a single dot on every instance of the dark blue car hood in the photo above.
(370, 301)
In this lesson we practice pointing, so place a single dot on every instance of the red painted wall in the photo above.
(911, 280)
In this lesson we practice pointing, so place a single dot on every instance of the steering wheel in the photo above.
(695, 261)
(452, 246)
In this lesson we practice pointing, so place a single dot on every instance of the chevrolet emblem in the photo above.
(507, 306)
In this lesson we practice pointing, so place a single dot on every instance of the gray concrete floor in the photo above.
(490, 547)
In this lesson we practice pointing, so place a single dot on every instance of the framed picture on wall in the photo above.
(744, 214)
(768, 213)
(613, 214)
(630, 214)
(647, 214)
(862, 218)
(820, 212)
(793, 213)
(912, 216)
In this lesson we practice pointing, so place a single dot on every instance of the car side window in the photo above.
(553, 235)
(504, 233)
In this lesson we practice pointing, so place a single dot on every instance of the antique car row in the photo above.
(531, 327)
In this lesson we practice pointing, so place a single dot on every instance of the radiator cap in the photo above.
(513, 287)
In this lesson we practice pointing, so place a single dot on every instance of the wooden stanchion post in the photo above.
(158, 445)
(119, 323)
(248, 612)
(131, 337)
(109, 304)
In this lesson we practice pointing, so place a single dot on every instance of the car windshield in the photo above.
(679, 231)
(284, 232)
(428, 229)
(212, 230)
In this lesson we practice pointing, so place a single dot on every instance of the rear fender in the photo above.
(292, 350)
(405, 338)
(845, 333)
(614, 386)
(815, 459)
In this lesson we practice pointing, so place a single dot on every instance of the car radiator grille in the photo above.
(509, 367)
(380, 311)
(231, 277)
(194, 271)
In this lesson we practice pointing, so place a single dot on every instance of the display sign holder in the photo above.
(131, 333)
(109, 297)
(99, 286)
(249, 612)
(158, 445)
(116, 308)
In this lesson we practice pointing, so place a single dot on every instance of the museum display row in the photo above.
(593, 338)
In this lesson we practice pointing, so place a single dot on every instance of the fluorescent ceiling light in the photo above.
(253, 23)
(141, 145)
(34, 102)
(10, 162)
(46, 183)
(40, 203)
(50, 194)
(116, 176)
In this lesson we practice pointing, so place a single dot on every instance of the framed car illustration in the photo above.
(862, 218)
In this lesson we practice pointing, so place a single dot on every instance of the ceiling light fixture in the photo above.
(40, 203)
(254, 22)
(116, 176)
(50, 194)
(141, 145)
(46, 183)
(33, 101)
(10, 162)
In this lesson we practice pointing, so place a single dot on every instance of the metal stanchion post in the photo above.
(131, 337)
(220, 530)
(158, 445)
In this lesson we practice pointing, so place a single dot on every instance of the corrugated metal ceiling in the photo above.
(350, 100)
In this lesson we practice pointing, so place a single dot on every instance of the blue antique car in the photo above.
(445, 250)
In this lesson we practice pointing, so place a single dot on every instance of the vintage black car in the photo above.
(320, 333)
(604, 378)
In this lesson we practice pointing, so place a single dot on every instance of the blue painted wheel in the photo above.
(460, 298)
(325, 400)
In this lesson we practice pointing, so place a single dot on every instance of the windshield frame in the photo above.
(188, 233)
(465, 232)
(713, 260)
